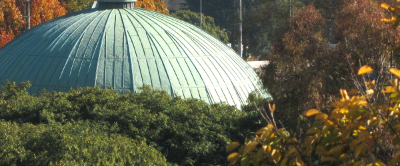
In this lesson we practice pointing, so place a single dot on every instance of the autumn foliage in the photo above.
(356, 132)
(301, 74)
(12, 22)
(156, 5)
(44, 10)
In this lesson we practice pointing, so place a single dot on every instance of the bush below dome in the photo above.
(87, 125)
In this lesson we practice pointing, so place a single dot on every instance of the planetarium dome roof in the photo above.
(126, 48)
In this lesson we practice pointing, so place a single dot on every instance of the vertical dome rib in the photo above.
(64, 80)
(181, 67)
(201, 50)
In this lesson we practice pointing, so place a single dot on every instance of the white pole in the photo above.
(201, 14)
(240, 30)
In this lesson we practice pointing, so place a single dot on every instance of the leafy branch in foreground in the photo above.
(357, 132)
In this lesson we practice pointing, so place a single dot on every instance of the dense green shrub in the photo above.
(185, 131)
(82, 143)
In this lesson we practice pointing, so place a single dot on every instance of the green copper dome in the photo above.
(125, 49)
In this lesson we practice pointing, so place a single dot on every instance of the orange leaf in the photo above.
(311, 112)
(389, 89)
(385, 6)
(365, 69)
(395, 71)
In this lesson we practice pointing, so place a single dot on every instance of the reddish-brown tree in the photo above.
(44, 10)
(298, 65)
(11, 21)
(306, 71)
(156, 5)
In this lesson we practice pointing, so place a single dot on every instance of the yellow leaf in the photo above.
(324, 158)
(267, 150)
(395, 71)
(292, 140)
(232, 146)
(312, 131)
(329, 123)
(284, 161)
(362, 128)
(299, 162)
(250, 147)
(393, 9)
(385, 20)
(311, 112)
(389, 89)
(272, 108)
(291, 150)
(370, 92)
(372, 120)
(362, 102)
(344, 111)
(370, 83)
(276, 155)
(345, 96)
(233, 157)
(385, 6)
(322, 117)
(335, 149)
(365, 69)
(264, 130)
(394, 82)
(353, 92)
(344, 156)
(359, 149)
(379, 163)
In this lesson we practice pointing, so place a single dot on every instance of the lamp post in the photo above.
(27, 12)
(201, 13)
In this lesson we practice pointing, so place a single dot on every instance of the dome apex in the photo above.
(116, 4)
(116, 1)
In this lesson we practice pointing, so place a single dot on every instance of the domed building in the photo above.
(119, 46)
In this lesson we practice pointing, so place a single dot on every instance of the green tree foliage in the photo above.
(220, 10)
(207, 23)
(266, 22)
(78, 143)
(186, 132)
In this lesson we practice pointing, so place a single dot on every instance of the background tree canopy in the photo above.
(306, 69)
(208, 23)
(101, 126)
